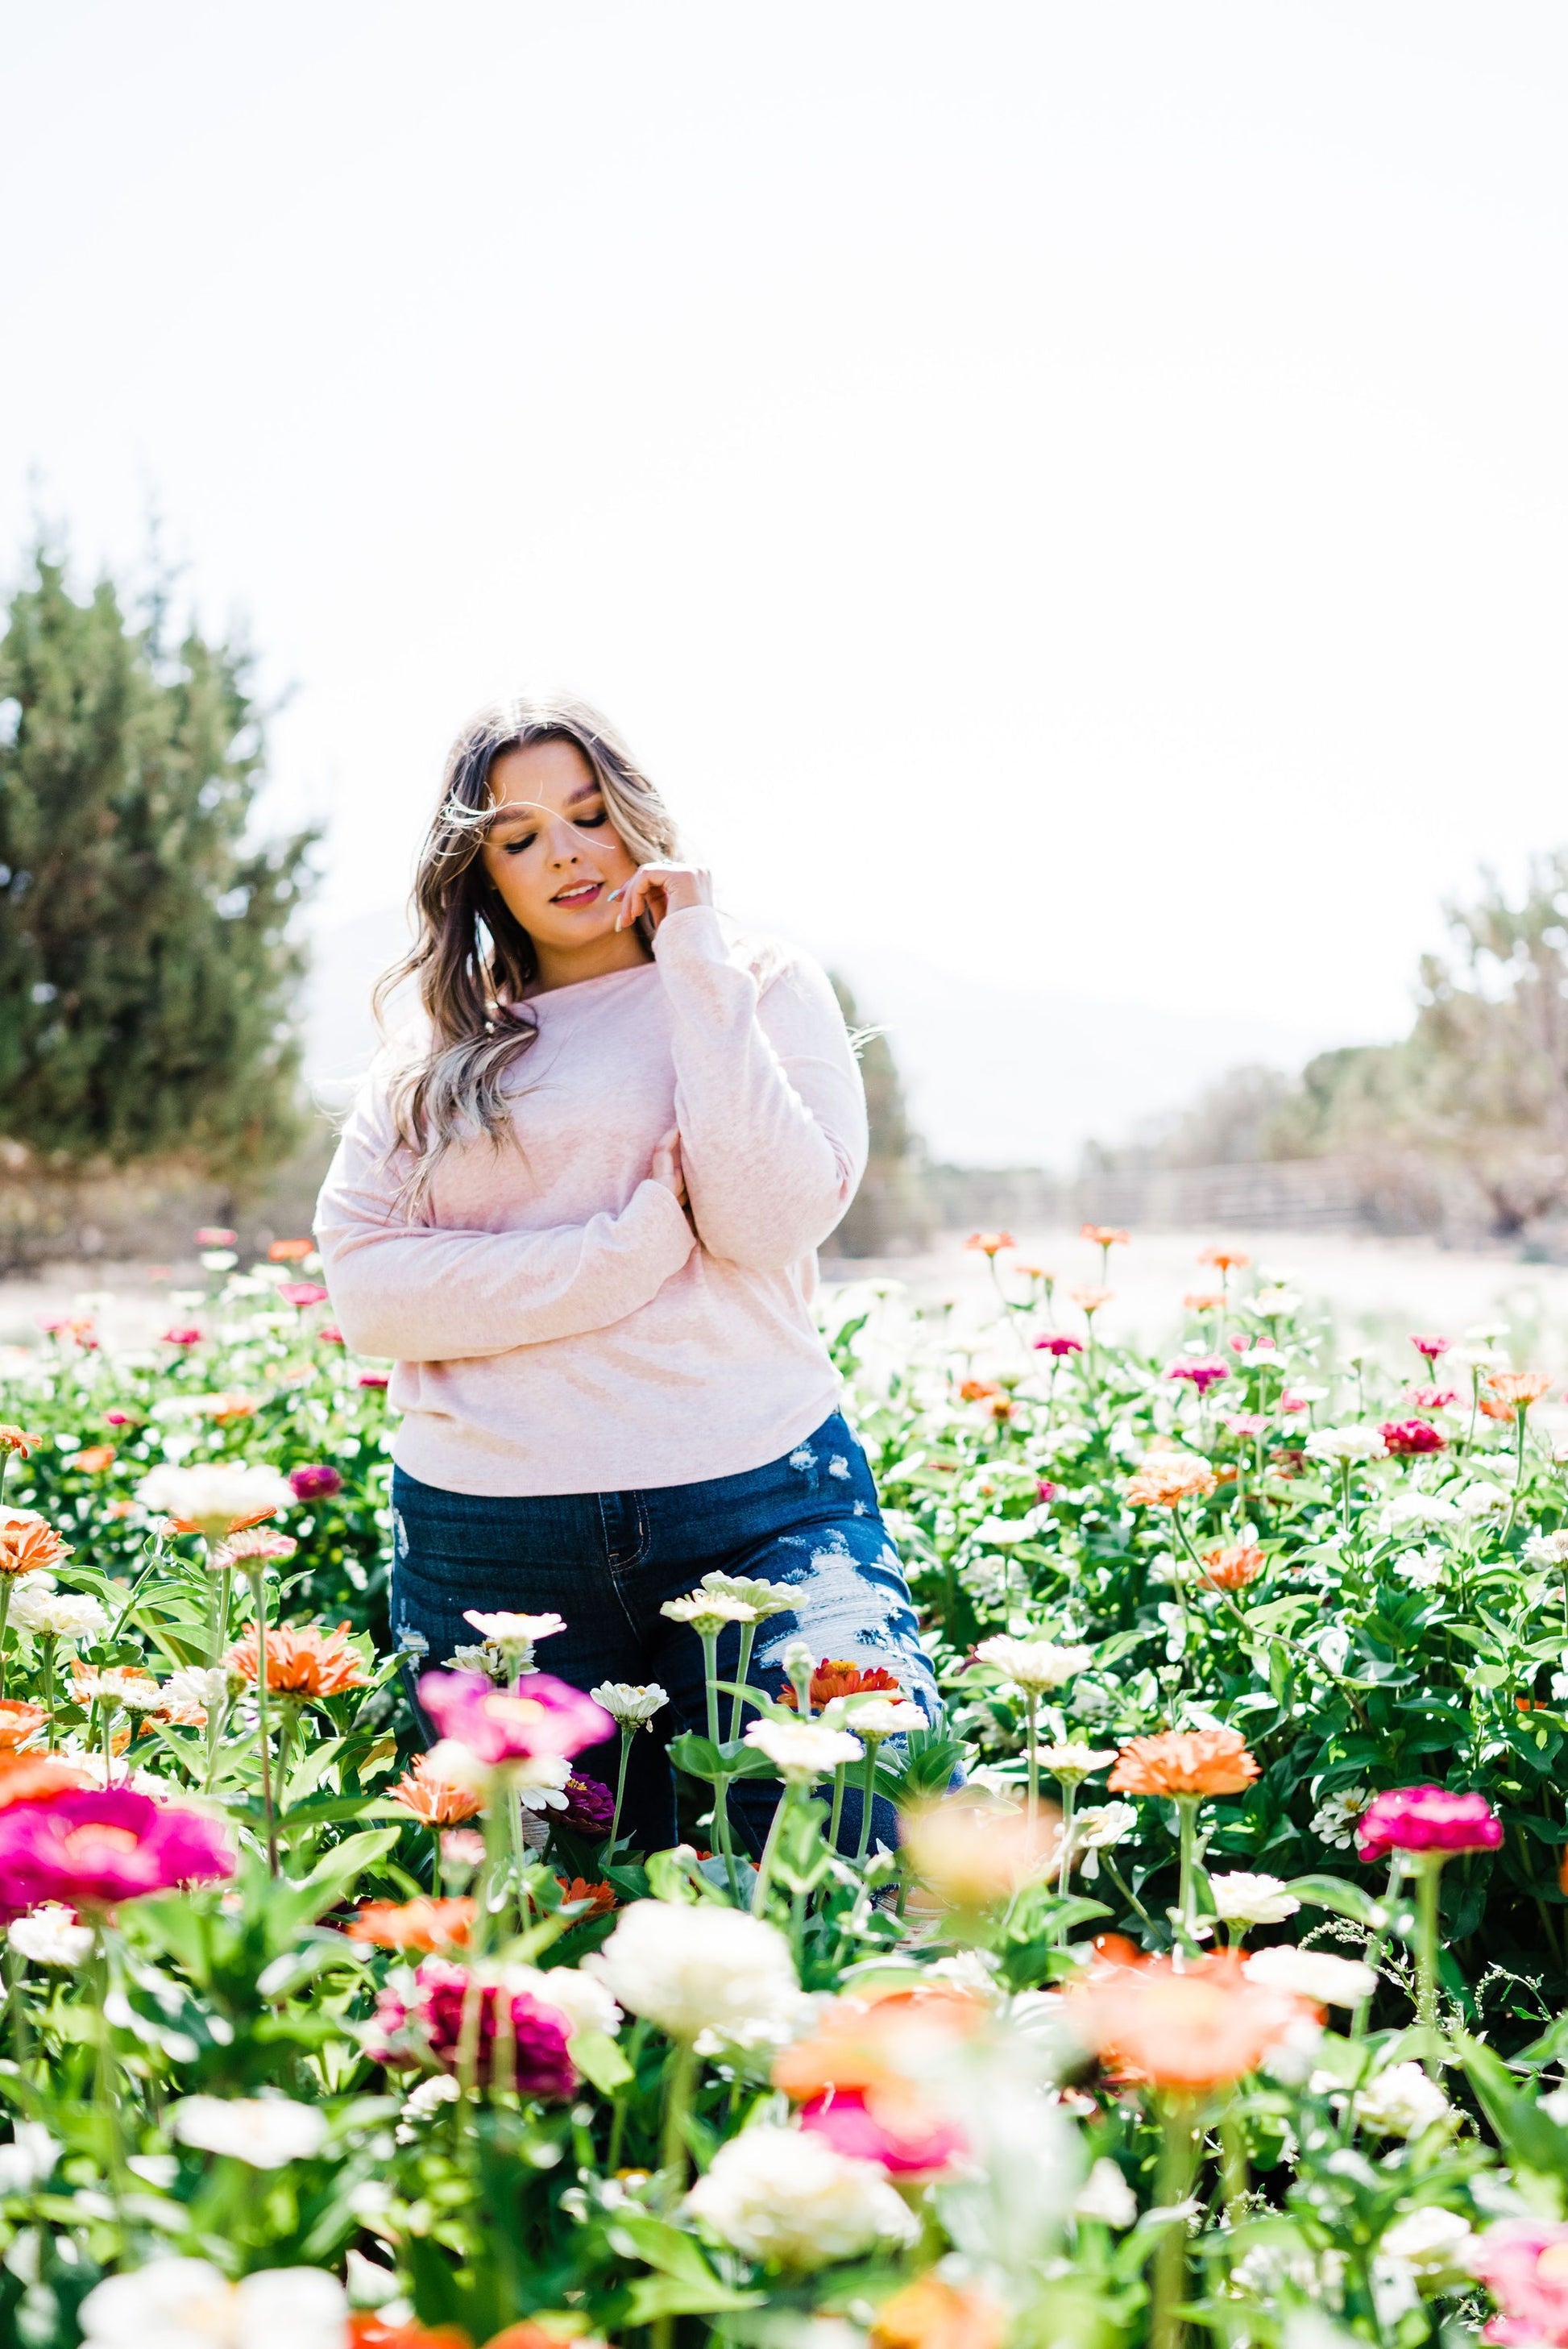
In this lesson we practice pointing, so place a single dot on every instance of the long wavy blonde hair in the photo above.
(472, 959)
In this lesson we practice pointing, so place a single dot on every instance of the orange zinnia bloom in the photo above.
(367, 2329)
(36, 1778)
(975, 1855)
(861, 2048)
(932, 2314)
(96, 1458)
(226, 1408)
(18, 1719)
(1232, 1566)
(1192, 2031)
(436, 1800)
(1166, 1479)
(1090, 1300)
(1224, 1259)
(977, 1390)
(989, 1243)
(836, 1678)
(1104, 1235)
(413, 1924)
(28, 1543)
(1512, 1393)
(1204, 1300)
(1190, 1763)
(600, 1894)
(290, 1251)
(16, 1439)
(303, 1660)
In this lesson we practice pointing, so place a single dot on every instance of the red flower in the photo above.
(1431, 1347)
(1404, 1438)
(433, 2024)
(1058, 1344)
(318, 1481)
(1427, 1818)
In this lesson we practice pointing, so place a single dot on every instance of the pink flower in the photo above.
(902, 2136)
(1405, 1437)
(316, 1482)
(211, 1235)
(1289, 1401)
(1432, 1398)
(1246, 1426)
(500, 1725)
(1201, 1371)
(1044, 1491)
(1427, 1818)
(1431, 1347)
(329, 1334)
(1058, 1345)
(1524, 2265)
(117, 1419)
(302, 1293)
(185, 1336)
(373, 1378)
(93, 1850)
(432, 2026)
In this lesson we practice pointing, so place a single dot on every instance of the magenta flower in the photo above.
(93, 1850)
(1202, 1371)
(590, 1806)
(1524, 2265)
(1432, 1398)
(1044, 1491)
(1427, 1818)
(329, 1334)
(316, 1482)
(432, 2026)
(1058, 1345)
(499, 1725)
(302, 1293)
(907, 2142)
(1431, 1347)
(188, 1335)
(1404, 1438)
(372, 1379)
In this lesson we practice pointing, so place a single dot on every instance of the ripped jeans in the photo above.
(607, 1561)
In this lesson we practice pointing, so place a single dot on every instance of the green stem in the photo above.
(1429, 1868)
(1032, 1758)
(5, 1613)
(1376, 1938)
(263, 1726)
(222, 1597)
(1177, 2162)
(838, 1805)
(107, 2084)
(1069, 1804)
(48, 1641)
(764, 1883)
(628, 1731)
(492, 1879)
(680, 2081)
(743, 1664)
(868, 1784)
(1187, 1813)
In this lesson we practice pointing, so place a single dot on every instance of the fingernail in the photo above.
(614, 894)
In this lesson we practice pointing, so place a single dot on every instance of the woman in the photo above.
(581, 1208)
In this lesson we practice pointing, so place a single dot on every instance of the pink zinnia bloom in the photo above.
(432, 2025)
(1427, 1818)
(329, 1334)
(1058, 1345)
(1432, 1398)
(301, 1293)
(1431, 1347)
(1246, 1426)
(1201, 1371)
(316, 1482)
(895, 2132)
(373, 1378)
(499, 1725)
(1405, 1437)
(1289, 1401)
(188, 1336)
(93, 1850)
(1524, 2265)
(1044, 1491)
(117, 1419)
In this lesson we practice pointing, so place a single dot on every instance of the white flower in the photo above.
(1477, 1356)
(489, 1661)
(50, 1936)
(1419, 1509)
(1482, 1499)
(1074, 1761)
(1333, 1645)
(29, 2157)
(1434, 2242)
(804, 1750)
(872, 1715)
(540, 1782)
(1243, 1900)
(1100, 1828)
(764, 1599)
(798, 1661)
(1003, 1533)
(1547, 1549)
(203, 1688)
(1401, 2101)
(1327, 1980)
(264, 2131)
(120, 1688)
(440, 2088)
(189, 2305)
(689, 1969)
(58, 1614)
(1334, 1821)
(1422, 1568)
(214, 1494)
(1106, 2195)
(510, 1631)
(788, 2200)
(1034, 1665)
(1274, 1303)
(629, 1704)
(1341, 1445)
(583, 2003)
(1262, 1358)
(708, 1610)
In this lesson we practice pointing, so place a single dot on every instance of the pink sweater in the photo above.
(556, 1324)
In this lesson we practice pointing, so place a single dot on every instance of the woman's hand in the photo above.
(667, 1167)
(660, 889)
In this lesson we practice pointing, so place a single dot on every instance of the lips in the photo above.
(581, 893)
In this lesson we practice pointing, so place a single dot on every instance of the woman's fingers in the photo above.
(666, 1167)
(660, 888)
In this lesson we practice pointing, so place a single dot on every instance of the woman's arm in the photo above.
(769, 1097)
(417, 1293)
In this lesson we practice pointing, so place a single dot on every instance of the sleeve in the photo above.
(418, 1293)
(769, 1098)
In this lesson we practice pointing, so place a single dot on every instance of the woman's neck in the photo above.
(594, 958)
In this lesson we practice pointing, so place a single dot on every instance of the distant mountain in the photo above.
(995, 1076)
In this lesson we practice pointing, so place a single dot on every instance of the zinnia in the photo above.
(37, 1778)
(419, 1924)
(18, 1440)
(989, 1243)
(1403, 1439)
(1201, 1372)
(304, 1661)
(215, 1496)
(975, 1855)
(432, 1795)
(317, 1481)
(1232, 1566)
(932, 2313)
(28, 1546)
(1191, 2030)
(502, 1726)
(95, 1850)
(788, 2200)
(432, 2025)
(18, 1719)
(1517, 1389)
(1524, 2265)
(1427, 1818)
(835, 1677)
(1187, 1763)
(1166, 1479)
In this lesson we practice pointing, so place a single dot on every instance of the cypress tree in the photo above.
(147, 972)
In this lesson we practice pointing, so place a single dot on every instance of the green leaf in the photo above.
(599, 2059)
(1334, 1892)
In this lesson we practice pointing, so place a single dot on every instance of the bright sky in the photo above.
(1078, 493)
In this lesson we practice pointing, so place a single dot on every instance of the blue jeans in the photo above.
(607, 1561)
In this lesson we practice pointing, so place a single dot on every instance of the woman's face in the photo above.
(553, 852)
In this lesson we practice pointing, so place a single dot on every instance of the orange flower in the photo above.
(989, 1243)
(439, 1801)
(602, 1896)
(1188, 1763)
(17, 1722)
(877, 2045)
(16, 1439)
(975, 1855)
(832, 1679)
(1514, 1391)
(978, 1390)
(28, 1543)
(96, 1458)
(227, 1407)
(418, 1924)
(290, 1251)
(1192, 2031)
(304, 1661)
(36, 1778)
(1225, 1259)
(1003, 1407)
(1232, 1566)
(932, 2314)
(1166, 1479)
(1104, 1235)
(367, 2330)
(252, 1539)
(1204, 1300)
(1090, 1300)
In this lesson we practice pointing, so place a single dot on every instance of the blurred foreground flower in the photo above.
(441, 1799)
(417, 1924)
(788, 2200)
(1166, 1479)
(454, 2015)
(264, 2131)
(1189, 2032)
(501, 1726)
(974, 1855)
(95, 1850)
(216, 1497)
(190, 2304)
(932, 2313)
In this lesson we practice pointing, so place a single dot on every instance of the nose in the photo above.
(564, 844)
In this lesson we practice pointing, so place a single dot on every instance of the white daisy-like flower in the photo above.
(214, 1496)
(1072, 1762)
(872, 1714)
(1315, 1974)
(1099, 1827)
(708, 1610)
(1243, 1900)
(53, 1614)
(788, 2199)
(695, 1969)
(1034, 1665)
(764, 1599)
(1437, 2243)
(266, 2132)
(1334, 1821)
(629, 1704)
(1106, 2195)
(174, 2303)
(804, 1750)
(50, 1936)
(1342, 1446)
(1401, 2101)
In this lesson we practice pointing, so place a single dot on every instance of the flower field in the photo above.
(1223, 1997)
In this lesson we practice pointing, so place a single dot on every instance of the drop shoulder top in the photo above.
(557, 1323)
